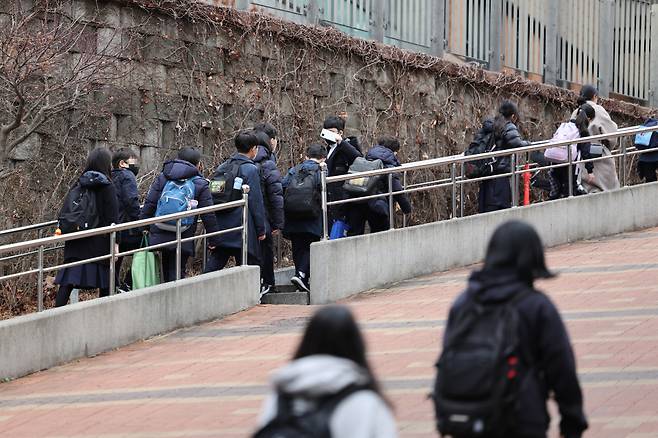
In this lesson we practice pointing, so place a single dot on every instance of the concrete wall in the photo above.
(41, 340)
(406, 253)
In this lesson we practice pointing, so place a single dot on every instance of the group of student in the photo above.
(505, 353)
(289, 205)
(589, 118)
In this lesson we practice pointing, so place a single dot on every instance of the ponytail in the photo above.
(583, 118)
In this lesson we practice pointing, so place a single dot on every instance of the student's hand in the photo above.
(591, 179)
(262, 237)
(276, 232)
(339, 138)
(116, 248)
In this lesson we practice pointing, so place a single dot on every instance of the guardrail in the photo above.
(460, 180)
(41, 243)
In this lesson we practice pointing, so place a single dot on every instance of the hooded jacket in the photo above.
(380, 205)
(125, 185)
(361, 415)
(307, 226)
(179, 170)
(544, 338)
(108, 214)
(271, 187)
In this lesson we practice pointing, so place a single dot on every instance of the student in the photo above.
(95, 275)
(341, 153)
(125, 167)
(376, 211)
(270, 177)
(605, 170)
(186, 167)
(559, 176)
(230, 245)
(648, 161)
(330, 362)
(543, 359)
(496, 194)
(300, 228)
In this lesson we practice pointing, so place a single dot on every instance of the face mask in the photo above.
(133, 168)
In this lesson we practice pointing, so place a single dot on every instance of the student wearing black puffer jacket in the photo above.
(376, 211)
(272, 189)
(515, 258)
(496, 194)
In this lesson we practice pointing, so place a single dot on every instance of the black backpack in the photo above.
(484, 141)
(302, 198)
(79, 211)
(480, 370)
(222, 183)
(312, 424)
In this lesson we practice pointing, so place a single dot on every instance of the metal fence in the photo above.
(562, 42)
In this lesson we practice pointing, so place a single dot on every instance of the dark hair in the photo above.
(123, 154)
(334, 122)
(266, 128)
(333, 331)
(100, 160)
(389, 142)
(516, 246)
(588, 92)
(317, 151)
(245, 141)
(584, 116)
(263, 139)
(506, 110)
(191, 155)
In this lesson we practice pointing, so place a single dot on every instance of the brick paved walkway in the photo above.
(210, 380)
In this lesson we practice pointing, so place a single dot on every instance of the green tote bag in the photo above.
(145, 268)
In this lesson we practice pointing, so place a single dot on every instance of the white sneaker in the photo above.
(265, 289)
(300, 284)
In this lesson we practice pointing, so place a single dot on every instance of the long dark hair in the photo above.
(506, 111)
(515, 246)
(588, 92)
(584, 117)
(100, 160)
(333, 331)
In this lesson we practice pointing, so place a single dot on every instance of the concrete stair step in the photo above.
(286, 294)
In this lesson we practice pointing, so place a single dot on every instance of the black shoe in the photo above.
(301, 285)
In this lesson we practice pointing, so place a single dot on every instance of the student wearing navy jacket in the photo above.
(230, 245)
(186, 166)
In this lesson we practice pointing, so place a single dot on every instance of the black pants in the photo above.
(359, 214)
(301, 254)
(64, 293)
(169, 265)
(647, 170)
(267, 260)
(219, 257)
(560, 182)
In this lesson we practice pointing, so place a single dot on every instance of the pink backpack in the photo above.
(559, 154)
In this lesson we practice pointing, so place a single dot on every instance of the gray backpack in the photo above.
(364, 186)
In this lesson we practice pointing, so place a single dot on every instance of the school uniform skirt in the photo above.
(87, 276)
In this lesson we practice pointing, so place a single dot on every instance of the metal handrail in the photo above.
(460, 180)
(113, 229)
(27, 228)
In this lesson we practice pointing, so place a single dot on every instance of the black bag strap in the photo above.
(325, 404)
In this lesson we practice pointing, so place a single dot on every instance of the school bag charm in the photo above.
(177, 196)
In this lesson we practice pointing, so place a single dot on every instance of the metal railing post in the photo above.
(453, 181)
(404, 187)
(461, 191)
(113, 273)
(622, 161)
(570, 178)
(391, 209)
(204, 254)
(179, 255)
(515, 183)
(40, 280)
(245, 225)
(325, 213)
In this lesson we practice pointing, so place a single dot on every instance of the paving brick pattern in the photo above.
(209, 381)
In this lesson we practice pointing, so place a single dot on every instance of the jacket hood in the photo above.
(385, 154)
(319, 375)
(179, 169)
(488, 125)
(93, 179)
(309, 165)
(494, 286)
(263, 154)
